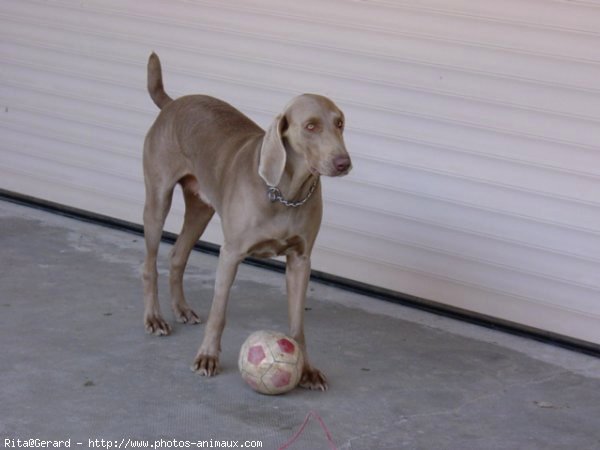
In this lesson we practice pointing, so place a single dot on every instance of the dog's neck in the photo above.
(297, 179)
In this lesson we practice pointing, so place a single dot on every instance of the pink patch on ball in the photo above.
(256, 354)
(281, 378)
(286, 346)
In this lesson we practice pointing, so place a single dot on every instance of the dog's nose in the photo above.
(341, 163)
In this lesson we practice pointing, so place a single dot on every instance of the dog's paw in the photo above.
(157, 326)
(206, 365)
(186, 315)
(313, 379)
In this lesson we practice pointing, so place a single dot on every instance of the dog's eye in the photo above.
(311, 126)
(340, 124)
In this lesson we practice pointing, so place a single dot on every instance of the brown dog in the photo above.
(264, 186)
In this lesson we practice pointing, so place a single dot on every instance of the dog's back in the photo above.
(197, 127)
(206, 111)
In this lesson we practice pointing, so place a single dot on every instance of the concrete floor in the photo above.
(75, 361)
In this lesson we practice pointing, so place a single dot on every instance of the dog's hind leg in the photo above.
(156, 208)
(197, 217)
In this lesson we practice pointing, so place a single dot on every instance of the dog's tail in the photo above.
(155, 83)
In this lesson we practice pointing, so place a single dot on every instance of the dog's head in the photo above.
(310, 131)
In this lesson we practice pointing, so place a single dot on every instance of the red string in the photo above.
(299, 432)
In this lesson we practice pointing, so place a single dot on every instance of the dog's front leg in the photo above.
(207, 358)
(297, 276)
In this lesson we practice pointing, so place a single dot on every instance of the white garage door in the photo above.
(474, 129)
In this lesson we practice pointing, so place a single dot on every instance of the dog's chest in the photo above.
(269, 248)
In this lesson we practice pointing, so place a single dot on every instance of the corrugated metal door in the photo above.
(474, 129)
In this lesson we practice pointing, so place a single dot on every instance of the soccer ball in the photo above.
(271, 362)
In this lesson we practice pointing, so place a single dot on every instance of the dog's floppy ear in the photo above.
(272, 152)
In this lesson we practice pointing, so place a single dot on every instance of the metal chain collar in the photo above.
(275, 195)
